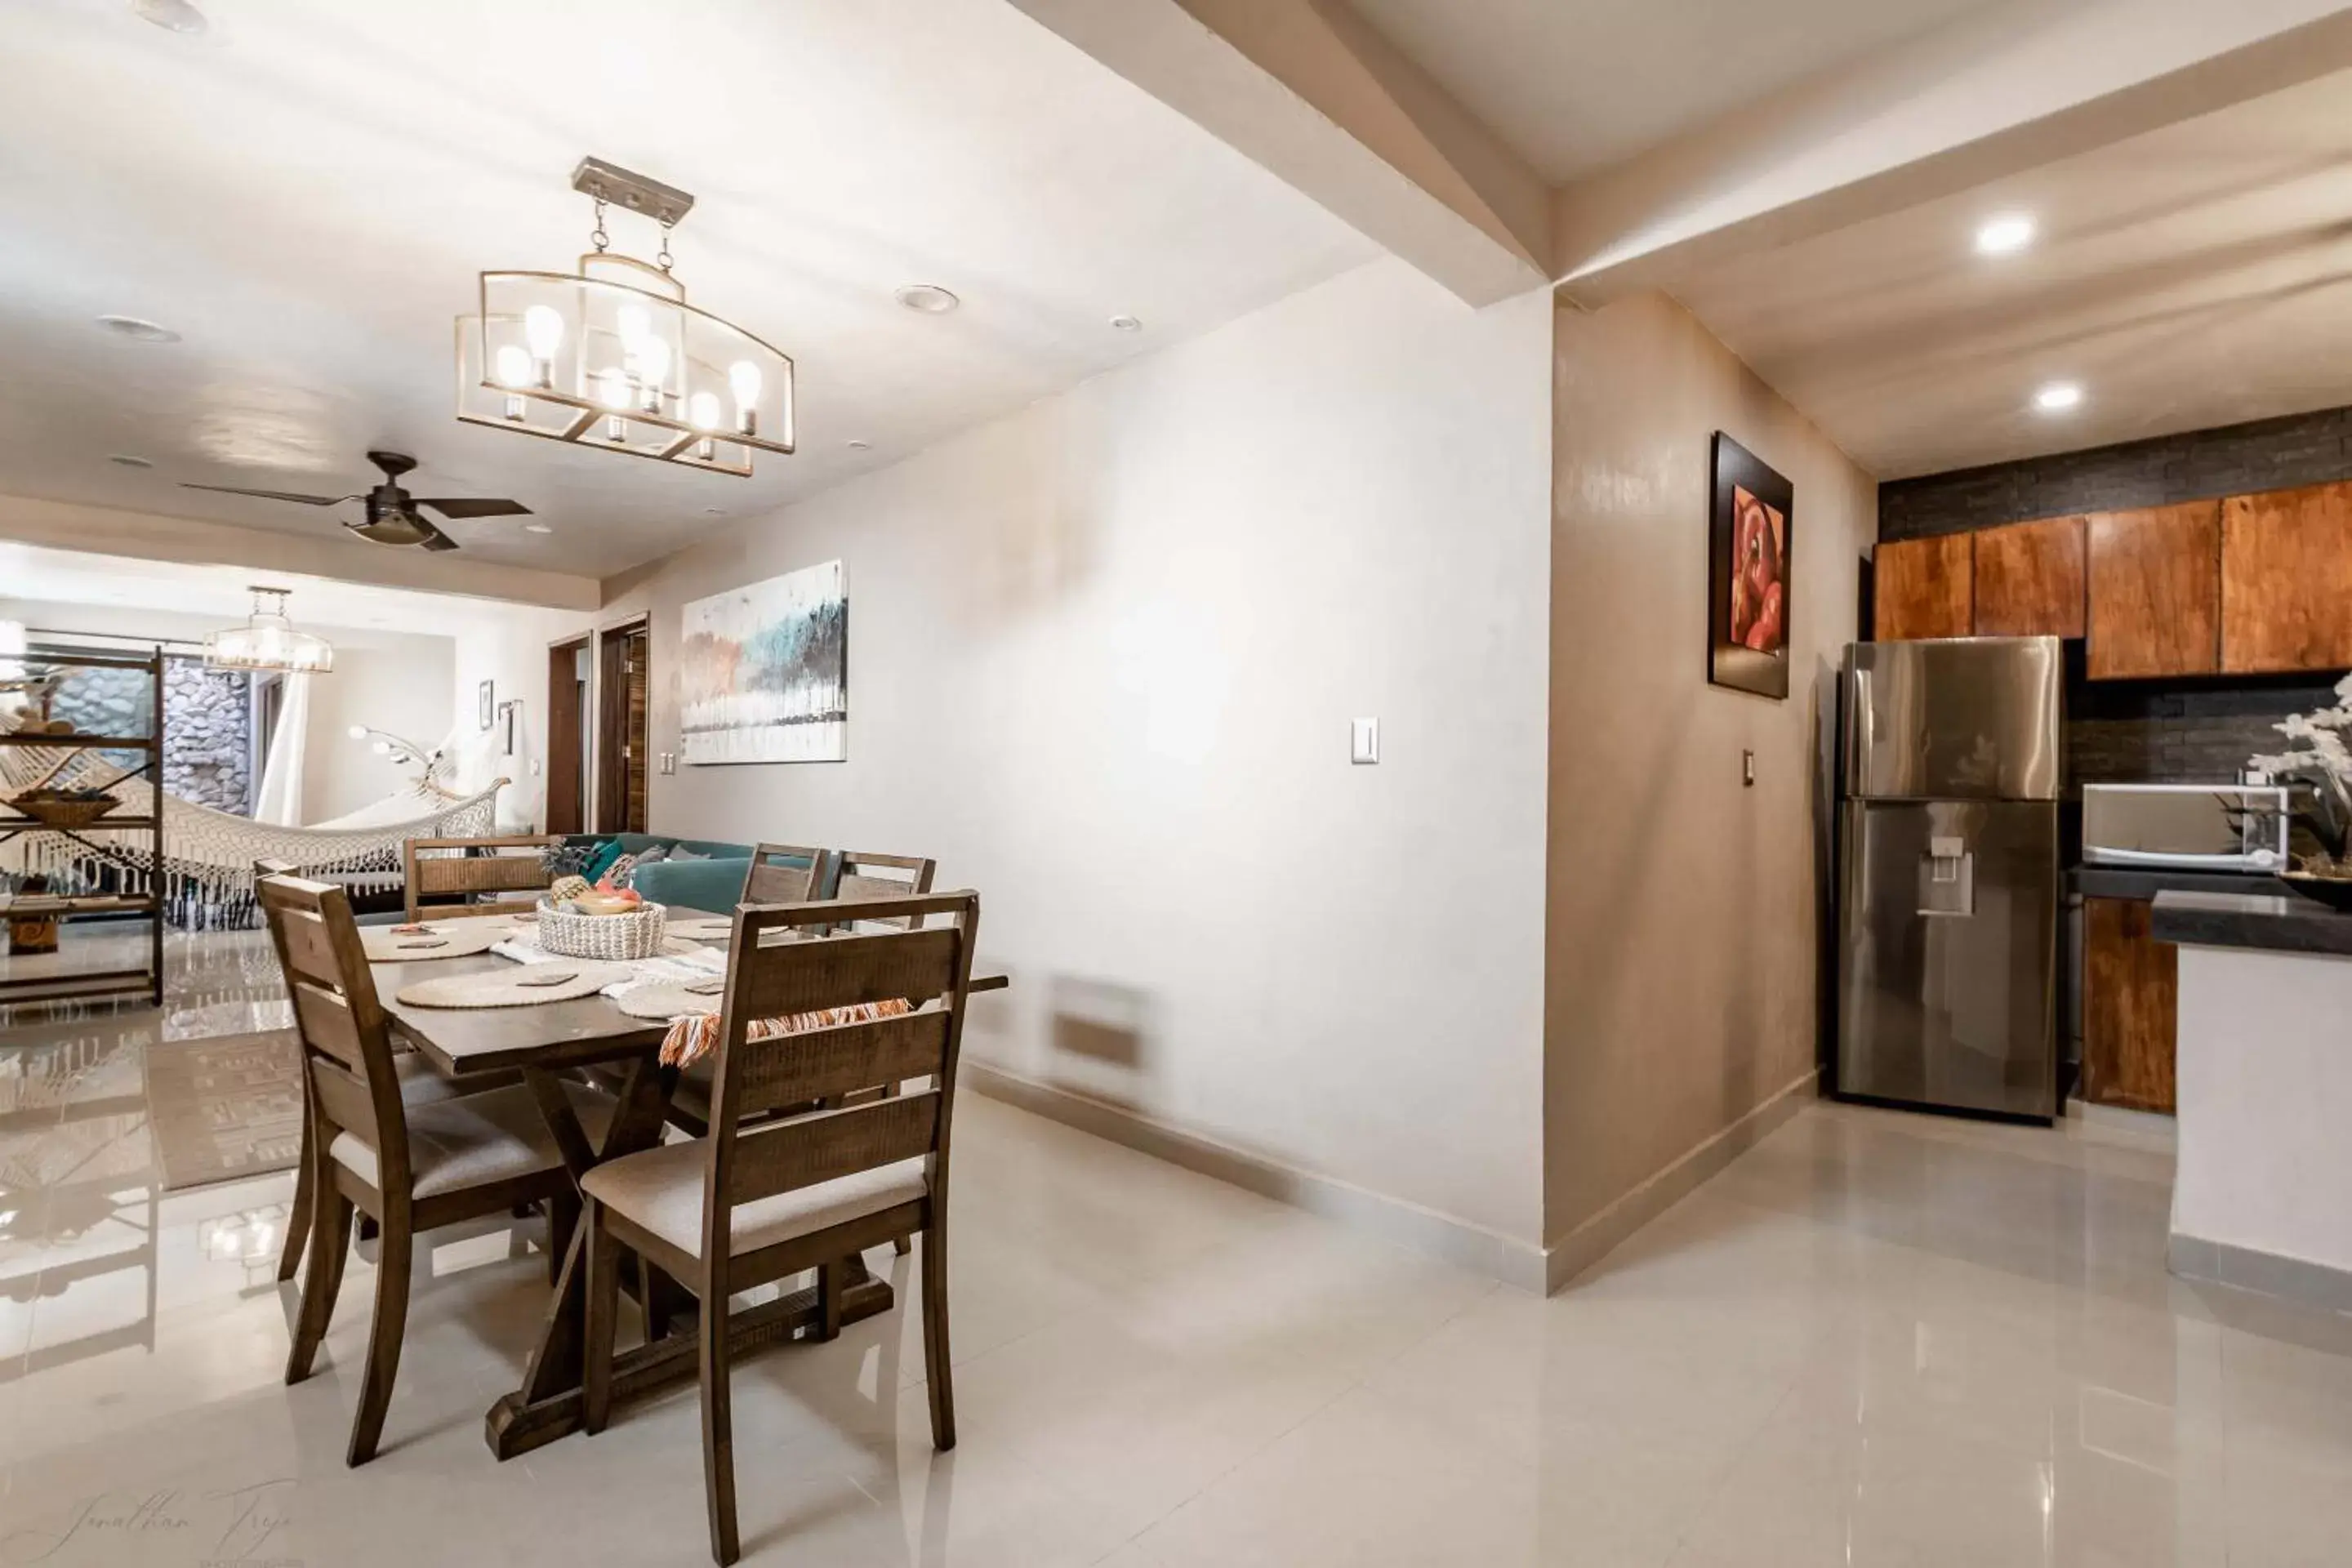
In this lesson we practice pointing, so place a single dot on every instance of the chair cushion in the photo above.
(661, 1190)
(477, 1139)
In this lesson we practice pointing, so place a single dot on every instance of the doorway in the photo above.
(569, 676)
(622, 691)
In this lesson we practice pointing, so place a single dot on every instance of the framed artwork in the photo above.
(1751, 530)
(763, 671)
(486, 700)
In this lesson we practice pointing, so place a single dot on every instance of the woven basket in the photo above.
(52, 812)
(615, 937)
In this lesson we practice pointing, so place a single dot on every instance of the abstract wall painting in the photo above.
(1748, 581)
(763, 671)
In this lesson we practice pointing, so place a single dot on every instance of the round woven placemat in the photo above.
(667, 999)
(524, 985)
(705, 928)
(448, 939)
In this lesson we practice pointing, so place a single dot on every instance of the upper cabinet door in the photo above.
(2154, 591)
(2028, 579)
(2286, 580)
(1925, 588)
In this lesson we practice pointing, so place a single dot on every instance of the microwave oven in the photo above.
(2203, 827)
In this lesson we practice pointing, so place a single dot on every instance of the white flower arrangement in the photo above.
(2321, 762)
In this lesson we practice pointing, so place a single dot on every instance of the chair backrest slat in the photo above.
(788, 874)
(863, 874)
(443, 874)
(843, 1058)
(825, 1144)
(346, 1043)
(844, 971)
(780, 964)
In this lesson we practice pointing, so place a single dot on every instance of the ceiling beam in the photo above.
(1308, 90)
(2002, 90)
(146, 536)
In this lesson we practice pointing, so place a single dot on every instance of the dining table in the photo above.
(547, 1044)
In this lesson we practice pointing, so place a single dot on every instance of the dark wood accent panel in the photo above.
(2028, 579)
(2154, 580)
(2286, 580)
(1925, 588)
(566, 742)
(622, 689)
(2131, 994)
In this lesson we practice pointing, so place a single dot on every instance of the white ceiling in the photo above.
(31, 576)
(2193, 276)
(1574, 88)
(307, 191)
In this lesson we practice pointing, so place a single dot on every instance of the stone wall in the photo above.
(208, 735)
(2235, 459)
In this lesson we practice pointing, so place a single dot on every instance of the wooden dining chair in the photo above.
(411, 1168)
(444, 876)
(788, 874)
(750, 1204)
(863, 874)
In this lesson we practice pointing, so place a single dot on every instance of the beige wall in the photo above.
(1103, 658)
(1679, 975)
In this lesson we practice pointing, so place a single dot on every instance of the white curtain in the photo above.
(280, 801)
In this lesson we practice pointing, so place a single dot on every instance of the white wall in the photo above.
(507, 645)
(1103, 658)
(398, 681)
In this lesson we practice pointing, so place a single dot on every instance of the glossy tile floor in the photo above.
(1875, 1339)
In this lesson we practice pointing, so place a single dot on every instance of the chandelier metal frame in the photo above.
(550, 354)
(269, 641)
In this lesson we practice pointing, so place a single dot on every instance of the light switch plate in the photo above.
(1364, 741)
(669, 762)
(1747, 769)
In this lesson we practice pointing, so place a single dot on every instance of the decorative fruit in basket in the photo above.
(625, 902)
(566, 888)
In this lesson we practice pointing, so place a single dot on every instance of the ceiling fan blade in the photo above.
(437, 539)
(467, 506)
(272, 495)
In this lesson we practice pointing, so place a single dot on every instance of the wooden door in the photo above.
(2131, 997)
(622, 691)
(2154, 591)
(1925, 588)
(2286, 580)
(2028, 579)
(567, 738)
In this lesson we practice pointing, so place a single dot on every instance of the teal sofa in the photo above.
(715, 883)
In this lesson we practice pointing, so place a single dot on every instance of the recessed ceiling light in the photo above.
(140, 328)
(1127, 323)
(129, 461)
(861, 446)
(929, 297)
(2058, 397)
(714, 511)
(2004, 235)
(177, 15)
(537, 527)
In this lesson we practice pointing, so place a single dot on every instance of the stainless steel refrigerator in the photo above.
(1949, 875)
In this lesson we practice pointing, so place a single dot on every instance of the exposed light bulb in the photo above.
(702, 410)
(636, 325)
(612, 388)
(357, 732)
(743, 378)
(514, 365)
(543, 328)
(653, 370)
(382, 748)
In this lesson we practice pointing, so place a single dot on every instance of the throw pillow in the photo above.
(569, 859)
(652, 853)
(607, 851)
(618, 873)
(681, 852)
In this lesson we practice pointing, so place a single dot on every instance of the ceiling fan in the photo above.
(392, 514)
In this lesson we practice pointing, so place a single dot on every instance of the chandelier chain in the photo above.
(665, 259)
(602, 239)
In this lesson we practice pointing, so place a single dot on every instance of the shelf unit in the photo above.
(33, 977)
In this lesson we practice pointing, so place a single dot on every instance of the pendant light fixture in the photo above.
(613, 356)
(269, 641)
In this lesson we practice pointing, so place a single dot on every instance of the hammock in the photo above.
(208, 855)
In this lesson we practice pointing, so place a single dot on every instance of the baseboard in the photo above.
(1588, 1243)
(2265, 1273)
(1408, 1225)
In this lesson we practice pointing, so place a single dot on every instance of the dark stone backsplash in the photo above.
(2236, 459)
(2178, 733)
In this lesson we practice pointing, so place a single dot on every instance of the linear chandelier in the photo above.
(268, 641)
(611, 356)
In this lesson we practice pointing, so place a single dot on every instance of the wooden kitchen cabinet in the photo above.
(2131, 1000)
(2154, 596)
(2286, 580)
(1925, 588)
(2028, 579)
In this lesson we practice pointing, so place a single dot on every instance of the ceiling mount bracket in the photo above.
(603, 181)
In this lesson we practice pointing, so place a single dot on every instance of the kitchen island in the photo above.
(2264, 1083)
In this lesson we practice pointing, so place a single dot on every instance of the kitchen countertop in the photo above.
(2284, 923)
(2134, 882)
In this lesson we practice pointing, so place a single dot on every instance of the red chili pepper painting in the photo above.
(1749, 580)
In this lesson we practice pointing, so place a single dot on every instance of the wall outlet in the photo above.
(1364, 741)
(534, 767)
